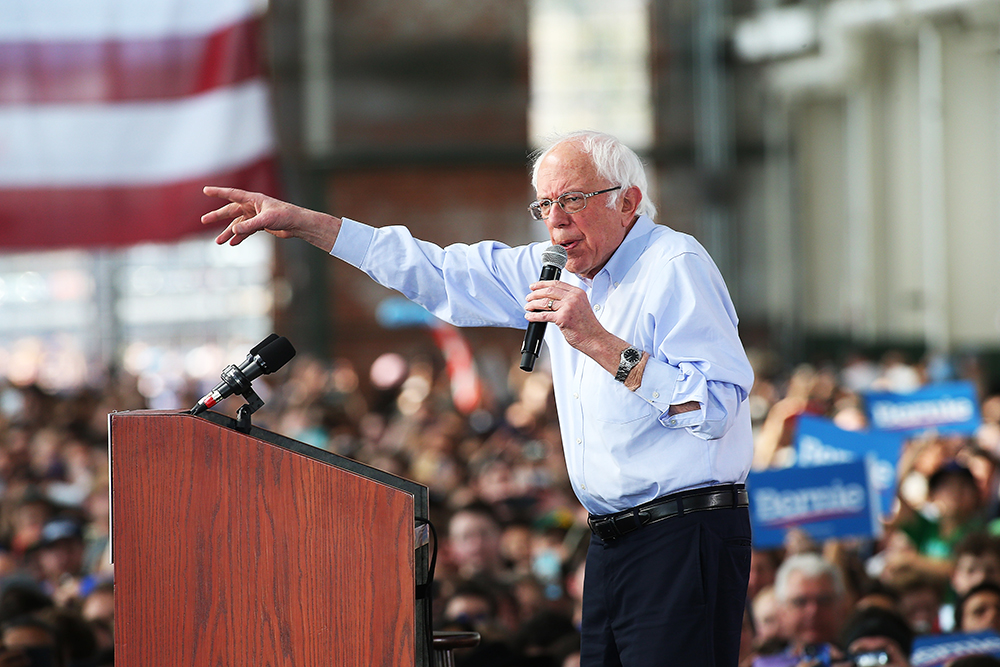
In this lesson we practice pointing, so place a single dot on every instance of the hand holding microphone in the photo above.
(553, 260)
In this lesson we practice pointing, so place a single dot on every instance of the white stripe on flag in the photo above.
(45, 20)
(135, 143)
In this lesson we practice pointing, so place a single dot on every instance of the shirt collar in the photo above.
(630, 249)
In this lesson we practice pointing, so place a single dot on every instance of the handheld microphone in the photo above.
(553, 260)
(265, 357)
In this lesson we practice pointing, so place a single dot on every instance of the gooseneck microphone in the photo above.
(553, 260)
(265, 357)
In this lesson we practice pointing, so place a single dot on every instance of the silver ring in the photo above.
(550, 304)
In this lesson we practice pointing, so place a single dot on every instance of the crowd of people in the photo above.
(512, 537)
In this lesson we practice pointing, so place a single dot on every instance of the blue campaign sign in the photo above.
(940, 650)
(818, 441)
(948, 407)
(826, 501)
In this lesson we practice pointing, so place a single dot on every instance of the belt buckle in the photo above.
(605, 528)
(597, 526)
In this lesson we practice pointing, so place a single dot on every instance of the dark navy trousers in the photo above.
(670, 593)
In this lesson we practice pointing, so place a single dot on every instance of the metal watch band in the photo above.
(629, 359)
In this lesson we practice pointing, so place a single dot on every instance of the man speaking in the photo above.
(650, 382)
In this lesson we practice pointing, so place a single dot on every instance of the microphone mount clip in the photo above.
(242, 386)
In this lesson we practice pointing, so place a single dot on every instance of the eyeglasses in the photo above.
(803, 601)
(571, 202)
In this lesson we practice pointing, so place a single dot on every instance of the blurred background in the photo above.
(838, 159)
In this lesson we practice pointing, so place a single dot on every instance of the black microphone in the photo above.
(553, 260)
(265, 357)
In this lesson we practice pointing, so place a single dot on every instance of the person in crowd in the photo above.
(920, 602)
(473, 544)
(98, 609)
(644, 343)
(763, 566)
(28, 641)
(876, 594)
(976, 559)
(953, 493)
(58, 557)
(766, 617)
(979, 609)
(811, 603)
(476, 606)
(874, 631)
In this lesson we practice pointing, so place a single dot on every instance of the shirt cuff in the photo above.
(658, 382)
(353, 242)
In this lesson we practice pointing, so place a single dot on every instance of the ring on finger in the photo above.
(549, 306)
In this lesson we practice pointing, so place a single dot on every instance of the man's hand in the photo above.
(251, 212)
(571, 311)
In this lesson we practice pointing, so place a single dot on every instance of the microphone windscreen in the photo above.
(259, 346)
(276, 354)
(554, 255)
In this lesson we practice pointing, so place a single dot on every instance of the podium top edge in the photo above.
(419, 491)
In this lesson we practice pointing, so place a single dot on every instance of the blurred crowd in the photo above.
(512, 538)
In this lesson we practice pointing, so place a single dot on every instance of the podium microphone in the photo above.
(264, 358)
(553, 260)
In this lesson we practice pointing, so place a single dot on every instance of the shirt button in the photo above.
(583, 487)
(617, 284)
(673, 422)
(575, 395)
(579, 441)
(656, 394)
(597, 307)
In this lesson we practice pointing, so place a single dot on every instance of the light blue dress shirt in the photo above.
(660, 291)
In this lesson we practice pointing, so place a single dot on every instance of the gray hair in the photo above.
(810, 565)
(613, 161)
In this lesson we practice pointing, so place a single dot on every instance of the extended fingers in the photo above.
(225, 213)
(232, 194)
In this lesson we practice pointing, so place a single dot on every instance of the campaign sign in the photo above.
(940, 650)
(818, 441)
(948, 407)
(826, 501)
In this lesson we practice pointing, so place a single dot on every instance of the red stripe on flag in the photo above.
(130, 70)
(47, 218)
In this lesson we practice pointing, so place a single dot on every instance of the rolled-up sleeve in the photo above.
(697, 355)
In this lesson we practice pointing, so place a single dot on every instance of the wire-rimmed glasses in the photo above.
(570, 202)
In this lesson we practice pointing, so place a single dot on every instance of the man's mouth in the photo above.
(568, 245)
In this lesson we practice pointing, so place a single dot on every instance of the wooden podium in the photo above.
(253, 549)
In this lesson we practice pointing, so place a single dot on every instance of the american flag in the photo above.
(114, 114)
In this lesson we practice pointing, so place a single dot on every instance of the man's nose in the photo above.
(557, 217)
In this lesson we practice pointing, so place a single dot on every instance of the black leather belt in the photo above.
(612, 526)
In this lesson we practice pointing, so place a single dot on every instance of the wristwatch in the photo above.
(630, 357)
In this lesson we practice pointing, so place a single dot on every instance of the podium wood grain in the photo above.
(230, 550)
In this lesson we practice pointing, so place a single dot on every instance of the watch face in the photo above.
(632, 355)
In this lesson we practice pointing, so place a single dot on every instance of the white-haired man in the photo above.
(811, 602)
(650, 382)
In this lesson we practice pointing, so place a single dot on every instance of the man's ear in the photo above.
(629, 204)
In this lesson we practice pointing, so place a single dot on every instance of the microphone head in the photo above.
(555, 255)
(259, 346)
(275, 354)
